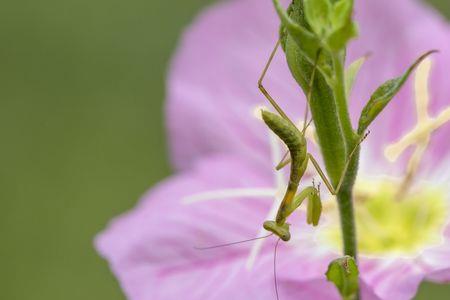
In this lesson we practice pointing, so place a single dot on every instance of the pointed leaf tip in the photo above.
(352, 71)
(384, 94)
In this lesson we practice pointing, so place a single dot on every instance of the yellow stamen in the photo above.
(420, 135)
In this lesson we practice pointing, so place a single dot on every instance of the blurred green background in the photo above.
(82, 135)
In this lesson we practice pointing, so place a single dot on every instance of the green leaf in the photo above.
(340, 37)
(314, 210)
(317, 13)
(308, 43)
(351, 73)
(343, 272)
(341, 13)
(342, 27)
(384, 94)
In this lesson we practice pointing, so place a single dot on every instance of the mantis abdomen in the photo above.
(296, 143)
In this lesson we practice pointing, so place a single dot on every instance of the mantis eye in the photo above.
(282, 231)
(286, 237)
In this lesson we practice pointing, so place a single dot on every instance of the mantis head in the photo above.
(282, 231)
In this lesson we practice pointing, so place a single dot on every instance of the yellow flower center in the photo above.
(390, 226)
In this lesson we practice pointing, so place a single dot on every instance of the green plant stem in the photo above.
(346, 212)
(344, 196)
(347, 218)
(341, 100)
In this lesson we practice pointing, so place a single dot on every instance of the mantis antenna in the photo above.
(232, 243)
(275, 269)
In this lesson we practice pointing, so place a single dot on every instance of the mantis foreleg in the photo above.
(263, 89)
(314, 211)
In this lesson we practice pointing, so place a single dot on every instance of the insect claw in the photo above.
(365, 136)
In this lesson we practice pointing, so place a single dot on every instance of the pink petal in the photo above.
(150, 249)
(319, 289)
(367, 292)
(441, 276)
(391, 278)
(435, 261)
(313, 289)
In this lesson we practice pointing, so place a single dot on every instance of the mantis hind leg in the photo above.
(284, 161)
(322, 175)
(263, 89)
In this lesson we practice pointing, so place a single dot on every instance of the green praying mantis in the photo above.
(311, 42)
(294, 139)
(296, 143)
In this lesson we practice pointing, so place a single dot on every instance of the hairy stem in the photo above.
(341, 99)
(346, 213)
(336, 136)
(347, 222)
(344, 196)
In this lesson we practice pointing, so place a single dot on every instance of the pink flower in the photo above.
(225, 185)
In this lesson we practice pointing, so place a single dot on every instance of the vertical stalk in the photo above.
(347, 223)
(336, 136)
(334, 130)
(344, 197)
(346, 212)
(340, 96)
